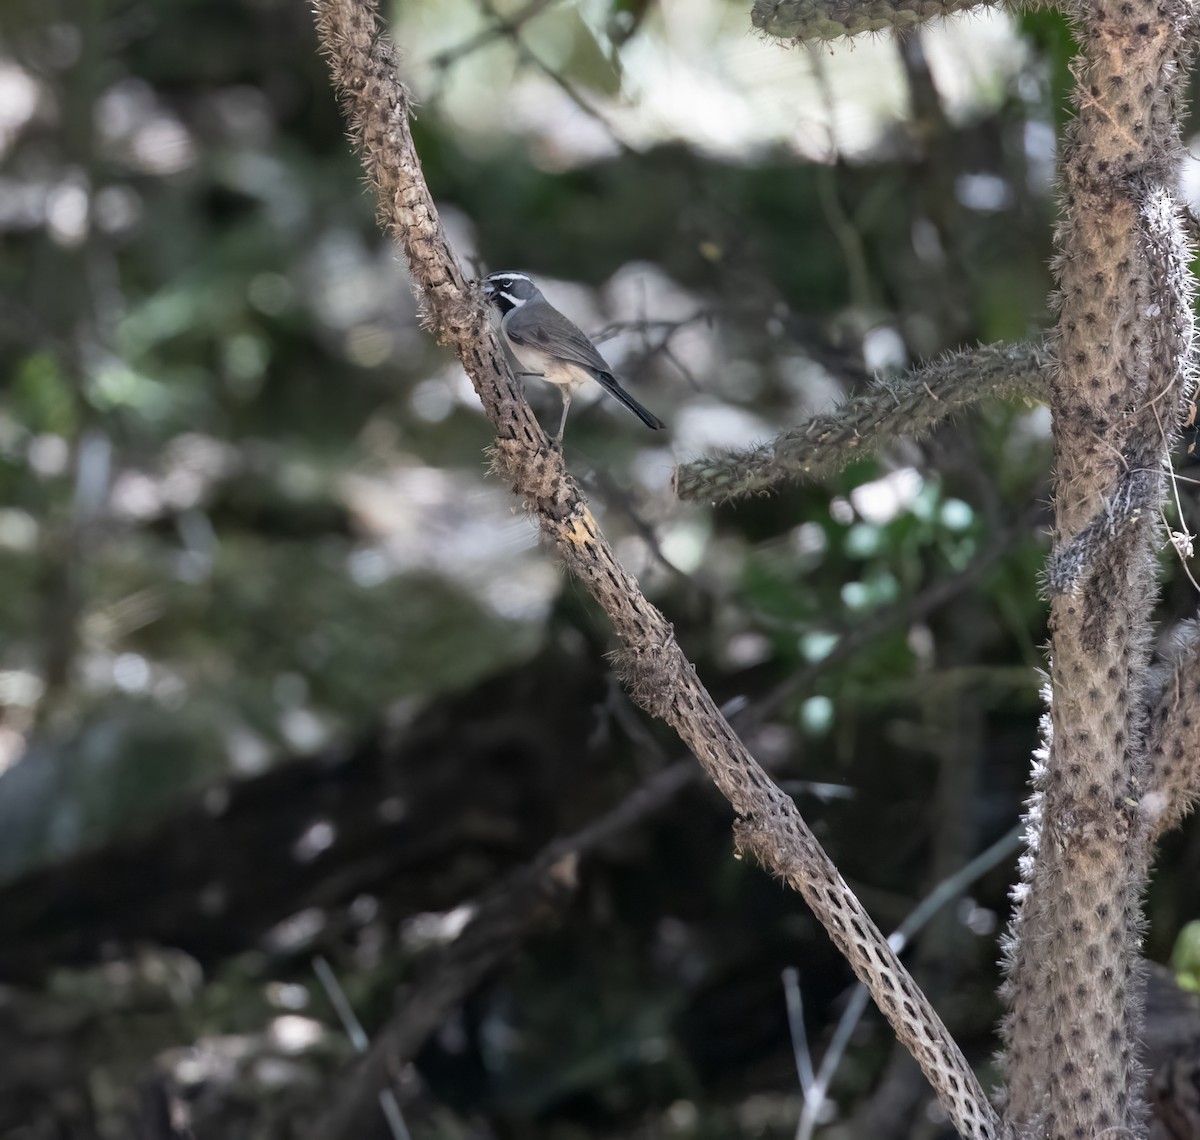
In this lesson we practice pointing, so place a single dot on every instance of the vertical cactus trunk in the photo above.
(1122, 368)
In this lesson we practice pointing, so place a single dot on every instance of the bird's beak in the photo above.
(488, 287)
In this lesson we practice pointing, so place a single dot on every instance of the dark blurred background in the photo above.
(285, 675)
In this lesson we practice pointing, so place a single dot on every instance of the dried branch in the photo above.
(661, 678)
(386, 1097)
(911, 405)
(817, 20)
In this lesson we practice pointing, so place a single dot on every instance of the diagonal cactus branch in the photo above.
(660, 676)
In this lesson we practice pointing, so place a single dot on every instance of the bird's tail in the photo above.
(609, 382)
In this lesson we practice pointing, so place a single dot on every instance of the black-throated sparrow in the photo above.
(552, 347)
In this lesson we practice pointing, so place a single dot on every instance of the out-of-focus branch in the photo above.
(498, 29)
(512, 31)
(817, 20)
(502, 919)
(666, 331)
(909, 406)
(660, 677)
(502, 27)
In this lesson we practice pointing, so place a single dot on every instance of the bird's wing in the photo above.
(568, 342)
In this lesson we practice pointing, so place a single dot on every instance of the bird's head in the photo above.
(509, 290)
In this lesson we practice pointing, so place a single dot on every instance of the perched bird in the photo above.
(548, 345)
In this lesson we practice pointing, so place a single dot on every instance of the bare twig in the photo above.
(795, 1012)
(843, 229)
(388, 1104)
(500, 27)
(500, 920)
(667, 330)
(513, 32)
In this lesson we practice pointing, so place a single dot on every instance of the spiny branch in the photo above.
(1122, 350)
(818, 20)
(909, 406)
(659, 675)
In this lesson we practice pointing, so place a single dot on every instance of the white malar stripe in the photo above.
(516, 302)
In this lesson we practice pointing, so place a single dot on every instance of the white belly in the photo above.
(546, 367)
